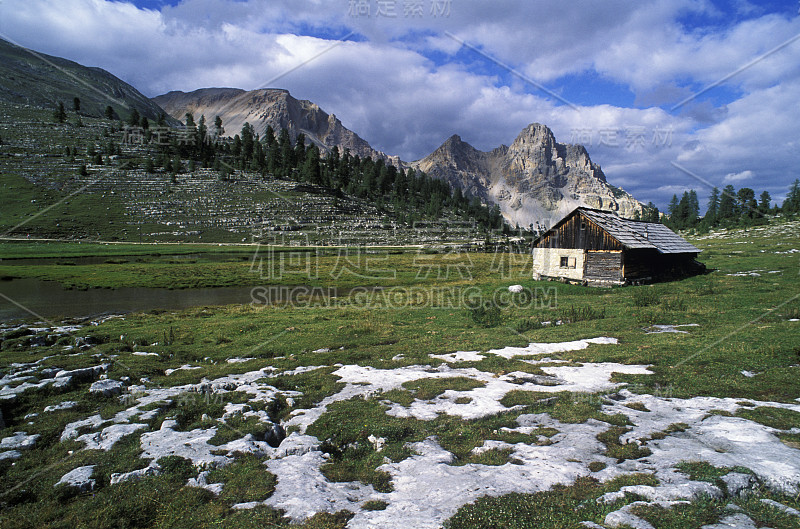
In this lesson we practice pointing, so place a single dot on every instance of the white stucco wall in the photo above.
(547, 262)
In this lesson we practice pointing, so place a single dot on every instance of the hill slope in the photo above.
(31, 78)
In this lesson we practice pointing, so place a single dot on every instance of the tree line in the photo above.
(408, 194)
(729, 208)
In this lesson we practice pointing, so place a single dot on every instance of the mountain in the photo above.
(534, 181)
(269, 106)
(31, 78)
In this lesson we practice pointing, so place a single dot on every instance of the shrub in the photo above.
(487, 315)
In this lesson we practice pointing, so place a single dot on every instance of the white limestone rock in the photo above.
(106, 388)
(80, 478)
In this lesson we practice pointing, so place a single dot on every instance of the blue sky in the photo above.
(627, 79)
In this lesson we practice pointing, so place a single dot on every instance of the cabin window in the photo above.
(583, 225)
(567, 262)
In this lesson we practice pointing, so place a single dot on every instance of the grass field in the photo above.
(354, 379)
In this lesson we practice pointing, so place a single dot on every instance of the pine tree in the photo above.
(746, 199)
(202, 131)
(76, 104)
(287, 153)
(60, 114)
(248, 137)
(134, 119)
(109, 112)
(763, 204)
(300, 149)
(672, 208)
(791, 205)
(149, 167)
(218, 129)
(712, 213)
(727, 204)
(310, 171)
(189, 120)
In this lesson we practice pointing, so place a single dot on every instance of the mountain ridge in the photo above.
(32, 78)
(535, 180)
(269, 106)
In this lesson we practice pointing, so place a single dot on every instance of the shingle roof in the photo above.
(635, 234)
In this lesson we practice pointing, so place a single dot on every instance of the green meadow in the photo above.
(394, 308)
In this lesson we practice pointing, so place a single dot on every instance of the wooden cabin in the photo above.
(596, 247)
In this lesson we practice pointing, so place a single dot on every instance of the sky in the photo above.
(666, 95)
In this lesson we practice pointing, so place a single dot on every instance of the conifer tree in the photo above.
(60, 114)
(134, 119)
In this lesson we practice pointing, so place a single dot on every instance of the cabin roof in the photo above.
(635, 234)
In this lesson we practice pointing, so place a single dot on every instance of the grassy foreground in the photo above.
(742, 311)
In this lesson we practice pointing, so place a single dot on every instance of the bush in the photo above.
(487, 315)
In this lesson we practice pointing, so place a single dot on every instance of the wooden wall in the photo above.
(603, 266)
(579, 232)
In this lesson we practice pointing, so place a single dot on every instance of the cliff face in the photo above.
(268, 107)
(534, 181)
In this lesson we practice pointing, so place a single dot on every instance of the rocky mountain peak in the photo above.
(270, 106)
(535, 181)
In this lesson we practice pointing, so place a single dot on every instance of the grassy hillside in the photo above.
(83, 180)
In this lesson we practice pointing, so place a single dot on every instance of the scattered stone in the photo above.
(737, 521)
(201, 481)
(19, 441)
(749, 374)
(739, 484)
(658, 329)
(84, 374)
(80, 478)
(10, 455)
(67, 404)
(135, 475)
(106, 388)
(515, 289)
(184, 367)
(377, 442)
(781, 507)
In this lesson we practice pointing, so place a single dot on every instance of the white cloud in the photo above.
(738, 177)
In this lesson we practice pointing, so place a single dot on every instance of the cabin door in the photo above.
(603, 266)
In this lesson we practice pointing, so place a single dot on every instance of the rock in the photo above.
(19, 441)
(737, 521)
(534, 181)
(82, 375)
(11, 455)
(67, 404)
(80, 478)
(738, 484)
(62, 383)
(781, 507)
(515, 289)
(106, 388)
(134, 475)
